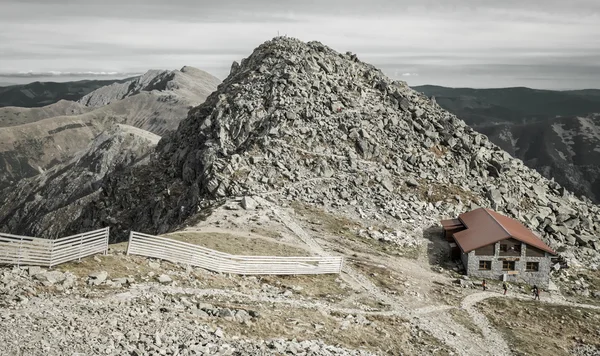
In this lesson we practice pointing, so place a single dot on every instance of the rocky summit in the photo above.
(299, 122)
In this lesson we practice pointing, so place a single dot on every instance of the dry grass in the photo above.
(116, 266)
(237, 245)
(534, 328)
(434, 192)
(462, 317)
(439, 151)
(346, 228)
(590, 277)
(266, 232)
(383, 277)
(323, 286)
(387, 335)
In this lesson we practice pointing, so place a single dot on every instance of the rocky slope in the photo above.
(300, 122)
(34, 141)
(39, 94)
(566, 148)
(14, 116)
(59, 191)
(554, 132)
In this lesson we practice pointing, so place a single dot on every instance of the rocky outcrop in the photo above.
(301, 122)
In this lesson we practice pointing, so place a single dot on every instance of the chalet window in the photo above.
(532, 266)
(508, 265)
(485, 265)
(517, 248)
(503, 248)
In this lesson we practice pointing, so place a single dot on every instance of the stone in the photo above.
(154, 264)
(412, 183)
(248, 203)
(97, 278)
(50, 277)
(164, 279)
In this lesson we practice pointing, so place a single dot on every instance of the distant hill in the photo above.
(555, 132)
(39, 94)
(516, 105)
(33, 140)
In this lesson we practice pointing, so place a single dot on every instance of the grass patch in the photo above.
(433, 192)
(237, 245)
(116, 266)
(346, 228)
(387, 335)
(316, 286)
(534, 328)
(381, 276)
(589, 277)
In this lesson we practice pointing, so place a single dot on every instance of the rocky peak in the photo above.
(293, 113)
(159, 80)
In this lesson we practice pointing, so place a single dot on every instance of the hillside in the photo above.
(515, 105)
(529, 123)
(39, 94)
(565, 148)
(34, 140)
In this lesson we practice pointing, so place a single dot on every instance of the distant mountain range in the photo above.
(39, 94)
(555, 132)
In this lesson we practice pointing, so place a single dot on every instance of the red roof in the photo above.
(486, 227)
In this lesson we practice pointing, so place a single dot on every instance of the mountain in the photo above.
(188, 82)
(77, 181)
(33, 140)
(38, 94)
(482, 107)
(566, 148)
(14, 116)
(554, 132)
(300, 123)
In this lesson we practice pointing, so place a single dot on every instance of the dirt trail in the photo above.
(447, 331)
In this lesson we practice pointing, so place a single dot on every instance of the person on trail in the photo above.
(537, 294)
(484, 285)
(505, 287)
(534, 290)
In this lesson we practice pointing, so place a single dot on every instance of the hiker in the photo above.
(537, 294)
(484, 285)
(505, 287)
(534, 290)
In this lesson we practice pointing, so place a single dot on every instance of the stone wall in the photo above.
(539, 278)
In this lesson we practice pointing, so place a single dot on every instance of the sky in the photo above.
(545, 44)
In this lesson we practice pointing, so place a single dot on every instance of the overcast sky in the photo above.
(477, 43)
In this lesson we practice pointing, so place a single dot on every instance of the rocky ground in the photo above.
(392, 298)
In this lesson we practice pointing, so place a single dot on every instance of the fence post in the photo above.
(51, 254)
(80, 244)
(19, 253)
(129, 242)
(107, 234)
(341, 264)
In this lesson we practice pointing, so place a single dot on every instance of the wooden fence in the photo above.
(34, 251)
(194, 255)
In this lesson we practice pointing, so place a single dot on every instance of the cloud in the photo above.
(400, 36)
